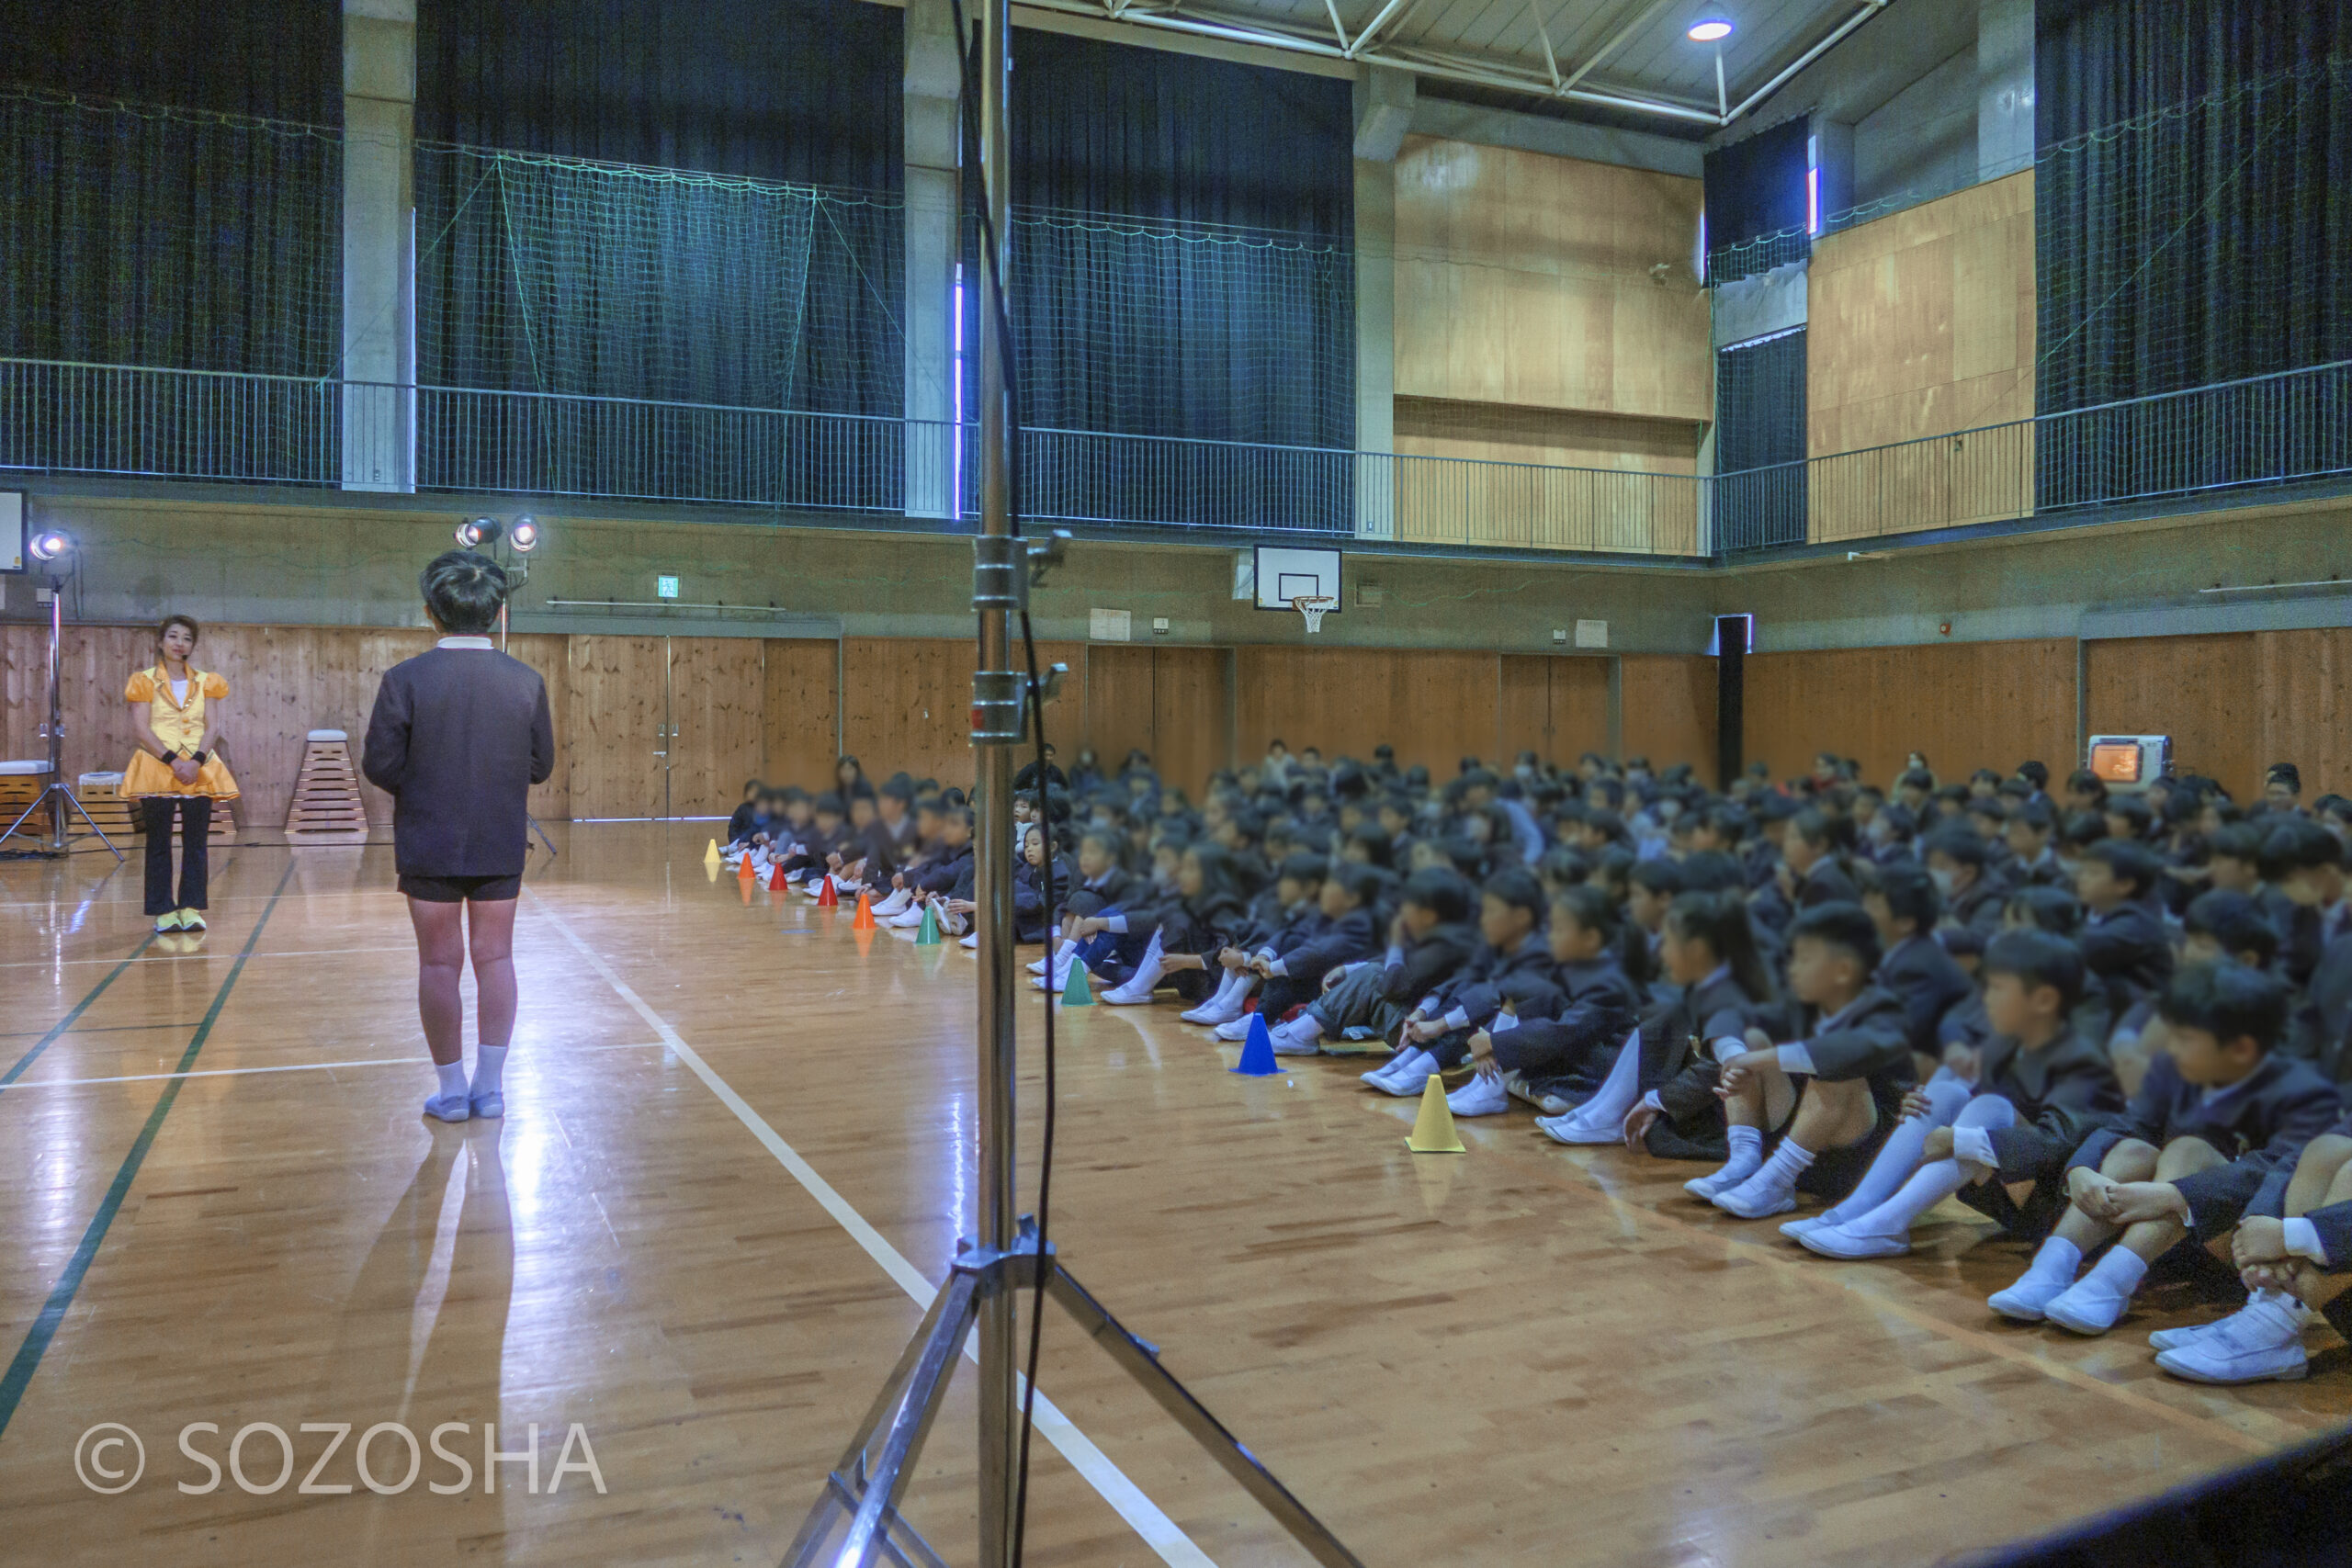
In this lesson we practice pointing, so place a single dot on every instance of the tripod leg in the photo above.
(913, 1414)
(25, 815)
(542, 832)
(1141, 1360)
(66, 796)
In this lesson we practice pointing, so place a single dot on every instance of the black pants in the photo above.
(195, 817)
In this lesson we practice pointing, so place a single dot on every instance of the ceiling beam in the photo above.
(1389, 12)
(1869, 8)
(1609, 46)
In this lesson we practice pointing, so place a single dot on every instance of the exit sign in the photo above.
(665, 587)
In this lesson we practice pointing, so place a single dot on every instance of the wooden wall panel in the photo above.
(908, 704)
(1966, 704)
(1522, 707)
(1434, 706)
(609, 729)
(1920, 324)
(1579, 709)
(1188, 715)
(1118, 710)
(2302, 680)
(1525, 278)
(2202, 691)
(801, 679)
(1669, 709)
(717, 705)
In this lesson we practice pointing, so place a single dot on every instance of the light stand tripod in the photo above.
(509, 542)
(55, 795)
(856, 1519)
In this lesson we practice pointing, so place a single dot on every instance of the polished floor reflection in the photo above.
(737, 1146)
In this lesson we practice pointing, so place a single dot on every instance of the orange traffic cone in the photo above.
(744, 872)
(864, 921)
(826, 897)
(775, 879)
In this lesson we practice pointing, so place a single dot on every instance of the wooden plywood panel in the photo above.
(908, 704)
(1433, 706)
(1540, 479)
(1668, 703)
(1578, 720)
(1526, 279)
(2305, 716)
(1065, 714)
(1921, 324)
(718, 697)
(797, 723)
(1118, 709)
(1523, 705)
(613, 698)
(2200, 691)
(548, 653)
(1967, 705)
(1189, 726)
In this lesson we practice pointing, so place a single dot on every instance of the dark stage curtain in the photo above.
(1759, 492)
(2193, 209)
(1756, 188)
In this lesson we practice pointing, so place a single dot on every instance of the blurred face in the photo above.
(2206, 1060)
(2234, 875)
(1801, 855)
(1189, 879)
(2278, 796)
(1335, 899)
(1419, 919)
(2097, 886)
(1504, 925)
(1163, 863)
(1571, 943)
(1821, 974)
(1093, 858)
(1688, 960)
(2198, 947)
(1290, 890)
(1022, 810)
(2314, 887)
(860, 812)
(1645, 907)
(955, 832)
(1952, 876)
(1883, 919)
(2025, 841)
(926, 825)
(2014, 1009)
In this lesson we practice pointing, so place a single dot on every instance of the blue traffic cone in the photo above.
(1078, 993)
(1258, 1051)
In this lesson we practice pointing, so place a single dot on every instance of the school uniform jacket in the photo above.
(2063, 1093)
(1351, 939)
(2324, 1017)
(1827, 882)
(1414, 971)
(1677, 1061)
(1591, 1009)
(2127, 949)
(1980, 906)
(2042, 871)
(458, 735)
(1029, 896)
(1868, 1038)
(1477, 991)
(947, 872)
(2261, 1123)
(1923, 977)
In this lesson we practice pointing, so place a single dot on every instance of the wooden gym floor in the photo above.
(738, 1147)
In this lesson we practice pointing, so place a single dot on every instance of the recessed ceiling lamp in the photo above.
(1709, 32)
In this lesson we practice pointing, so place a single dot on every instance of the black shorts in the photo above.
(461, 889)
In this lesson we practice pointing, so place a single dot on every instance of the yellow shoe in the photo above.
(192, 919)
(165, 923)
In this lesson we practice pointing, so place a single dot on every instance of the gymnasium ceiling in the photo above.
(1630, 58)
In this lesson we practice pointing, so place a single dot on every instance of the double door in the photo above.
(662, 726)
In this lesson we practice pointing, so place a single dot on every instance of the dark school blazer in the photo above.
(1927, 980)
(2063, 1093)
(2261, 1123)
(457, 738)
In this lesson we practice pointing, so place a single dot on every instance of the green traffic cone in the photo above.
(928, 934)
(1078, 993)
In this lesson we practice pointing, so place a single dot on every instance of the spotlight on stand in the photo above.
(524, 534)
(50, 545)
(476, 532)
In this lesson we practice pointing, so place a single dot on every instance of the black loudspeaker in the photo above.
(1732, 633)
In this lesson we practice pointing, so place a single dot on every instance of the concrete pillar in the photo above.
(1383, 108)
(929, 107)
(379, 244)
(2004, 87)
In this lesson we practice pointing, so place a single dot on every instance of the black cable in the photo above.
(969, 128)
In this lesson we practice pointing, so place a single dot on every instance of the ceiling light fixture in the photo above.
(1709, 32)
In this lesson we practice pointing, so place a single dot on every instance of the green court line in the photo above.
(69, 1284)
(65, 1024)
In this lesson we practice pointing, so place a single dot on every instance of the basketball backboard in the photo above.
(1285, 574)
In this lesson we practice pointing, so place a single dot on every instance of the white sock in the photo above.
(1621, 1089)
(1225, 989)
(1898, 1157)
(2057, 1259)
(1305, 1029)
(1746, 1157)
(1928, 1186)
(1791, 1160)
(2117, 1275)
(489, 1069)
(453, 1079)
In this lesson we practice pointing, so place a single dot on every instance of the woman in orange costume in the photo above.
(175, 770)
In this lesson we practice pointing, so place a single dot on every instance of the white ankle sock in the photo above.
(2057, 1258)
(489, 1069)
(1928, 1186)
(453, 1079)
(1791, 1160)
(2119, 1273)
(1746, 1157)
(1619, 1090)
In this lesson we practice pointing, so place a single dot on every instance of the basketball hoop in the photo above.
(1314, 606)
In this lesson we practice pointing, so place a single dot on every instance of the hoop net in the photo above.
(1314, 607)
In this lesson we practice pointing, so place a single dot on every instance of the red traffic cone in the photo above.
(864, 917)
(826, 897)
(775, 878)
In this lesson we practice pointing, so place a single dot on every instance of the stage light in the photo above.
(524, 534)
(49, 545)
(476, 532)
(1709, 32)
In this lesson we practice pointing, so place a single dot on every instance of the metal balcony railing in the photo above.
(65, 417)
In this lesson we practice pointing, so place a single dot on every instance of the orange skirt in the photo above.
(147, 775)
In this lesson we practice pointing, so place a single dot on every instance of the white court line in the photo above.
(408, 1061)
(1143, 1516)
(253, 957)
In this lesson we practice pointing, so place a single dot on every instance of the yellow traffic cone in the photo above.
(710, 855)
(1434, 1131)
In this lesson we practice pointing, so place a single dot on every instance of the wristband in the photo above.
(198, 758)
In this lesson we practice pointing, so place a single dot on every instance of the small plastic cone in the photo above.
(775, 878)
(710, 870)
(1257, 1051)
(1078, 993)
(711, 856)
(746, 884)
(1434, 1131)
(927, 934)
(745, 873)
(863, 920)
(826, 897)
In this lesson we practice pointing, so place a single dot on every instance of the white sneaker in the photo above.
(1706, 1187)
(1386, 1067)
(971, 942)
(2262, 1343)
(906, 919)
(1757, 1198)
(1406, 1078)
(1237, 1029)
(2041, 1284)
(1573, 1130)
(1835, 1241)
(1482, 1096)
